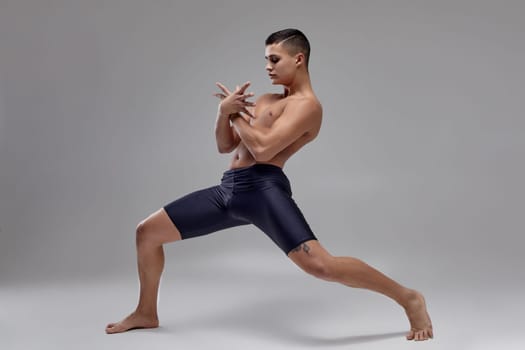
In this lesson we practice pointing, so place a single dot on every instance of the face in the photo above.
(280, 66)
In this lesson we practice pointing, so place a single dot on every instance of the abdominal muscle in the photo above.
(243, 158)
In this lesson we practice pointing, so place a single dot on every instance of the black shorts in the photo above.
(259, 194)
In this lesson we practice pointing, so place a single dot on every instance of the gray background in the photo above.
(107, 113)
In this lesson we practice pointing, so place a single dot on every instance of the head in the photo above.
(287, 53)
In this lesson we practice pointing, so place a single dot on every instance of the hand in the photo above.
(232, 103)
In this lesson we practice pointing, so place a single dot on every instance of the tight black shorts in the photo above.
(259, 194)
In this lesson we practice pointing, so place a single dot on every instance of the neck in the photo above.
(301, 85)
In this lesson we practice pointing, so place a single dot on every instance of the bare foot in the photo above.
(133, 321)
(420, 324)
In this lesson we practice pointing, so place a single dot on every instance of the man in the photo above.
(255, 190)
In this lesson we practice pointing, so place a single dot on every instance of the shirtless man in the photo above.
(255, 190)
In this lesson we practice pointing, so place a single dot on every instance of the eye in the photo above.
(273, 59)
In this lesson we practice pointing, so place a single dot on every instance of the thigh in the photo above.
(275, 212)
(201, 212)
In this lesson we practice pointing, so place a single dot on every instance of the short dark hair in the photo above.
(293, 40)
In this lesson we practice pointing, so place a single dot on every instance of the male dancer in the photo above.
(255, 190)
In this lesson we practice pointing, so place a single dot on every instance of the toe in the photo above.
(423, 335)
(115, 328)
(410, 335)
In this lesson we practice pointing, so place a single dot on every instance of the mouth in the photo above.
(272, 75)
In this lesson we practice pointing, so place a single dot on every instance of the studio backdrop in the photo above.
(107, 114)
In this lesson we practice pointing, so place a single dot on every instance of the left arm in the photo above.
(296, 120)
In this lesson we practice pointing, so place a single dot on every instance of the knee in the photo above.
(142, 233)
(319, 267)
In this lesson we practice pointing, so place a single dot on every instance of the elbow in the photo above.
(224, 149)
(262, 154)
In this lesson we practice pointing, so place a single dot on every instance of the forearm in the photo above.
(251, 137)
(224, 133)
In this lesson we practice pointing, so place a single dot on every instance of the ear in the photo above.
(299, 59)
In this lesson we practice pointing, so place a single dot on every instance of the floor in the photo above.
(210, 307)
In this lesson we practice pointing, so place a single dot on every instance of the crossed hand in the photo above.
(232, 103)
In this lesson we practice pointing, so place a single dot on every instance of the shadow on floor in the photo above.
(286, 318)
(355, 339)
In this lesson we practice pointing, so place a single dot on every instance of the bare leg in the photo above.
(356, 273)
(314, 259)
(151, 234)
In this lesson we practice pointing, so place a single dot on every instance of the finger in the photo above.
(244, 86)
(223, 88)
(244, 97)
(245, 111)
(221, 96)
(243, 100)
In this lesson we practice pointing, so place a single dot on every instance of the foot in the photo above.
(133, 321)
(420, 324)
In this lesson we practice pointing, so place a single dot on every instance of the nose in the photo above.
(268, 67)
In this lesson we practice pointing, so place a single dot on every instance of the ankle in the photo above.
(408, 298)
(146, 313)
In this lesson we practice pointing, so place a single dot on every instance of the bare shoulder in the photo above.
(311, 102)
(308, 106)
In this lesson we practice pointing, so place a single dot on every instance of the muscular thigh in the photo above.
(202, 212)
(159, 228)
(273, 210)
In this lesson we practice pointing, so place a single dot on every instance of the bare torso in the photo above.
(267, 111)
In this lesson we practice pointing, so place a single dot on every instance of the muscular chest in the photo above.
(266, 115)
